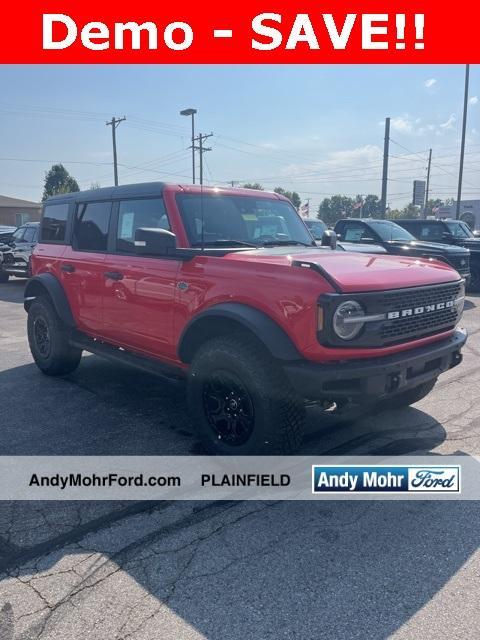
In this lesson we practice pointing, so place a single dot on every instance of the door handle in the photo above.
(68, 268)
(113, 275)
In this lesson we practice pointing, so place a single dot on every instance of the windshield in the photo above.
(390, 231)
(18, 233)
(218, 220)
(459, 230)
(317, 228)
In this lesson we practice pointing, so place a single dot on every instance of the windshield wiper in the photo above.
(280, 243)
(225, 243)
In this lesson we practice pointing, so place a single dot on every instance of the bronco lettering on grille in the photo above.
(404, 313)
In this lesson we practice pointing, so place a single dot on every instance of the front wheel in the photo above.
(49, 341)
(3, 277)
(240, 400)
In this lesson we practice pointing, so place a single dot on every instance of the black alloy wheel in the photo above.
(229, 408)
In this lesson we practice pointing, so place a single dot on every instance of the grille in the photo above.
(8, 257)
(456, 262)
(420, 324)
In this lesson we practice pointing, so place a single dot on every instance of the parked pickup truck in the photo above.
(388, 235)
(225, 288)
(454, 232)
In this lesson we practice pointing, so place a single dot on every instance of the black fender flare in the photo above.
(56, 293)
(257, 322)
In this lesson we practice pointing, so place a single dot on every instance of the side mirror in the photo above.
(446, 235)
(154, 242)
(329, 239)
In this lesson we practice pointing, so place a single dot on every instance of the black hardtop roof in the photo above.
(367, 220)
(140, 190)
(429, 220)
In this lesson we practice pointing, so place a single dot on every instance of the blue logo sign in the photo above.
(385, 479)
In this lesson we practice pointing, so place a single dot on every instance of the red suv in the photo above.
(226, 288)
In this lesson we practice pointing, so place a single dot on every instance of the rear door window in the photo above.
(136, 214)
(355, 232)
(54, 223)
(91, 226)
(431, 232)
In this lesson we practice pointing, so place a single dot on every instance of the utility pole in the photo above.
(427, 186)
(386, 147)
(462, 148)
(114, 122)
(201, 149)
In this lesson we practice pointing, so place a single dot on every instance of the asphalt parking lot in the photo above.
(228, 571)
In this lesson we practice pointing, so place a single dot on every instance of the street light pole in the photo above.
(191, 112)
(462, 149)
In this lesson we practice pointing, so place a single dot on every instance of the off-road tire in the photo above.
(278, 412)
(4, 277)
(409, 397)
(58, 357)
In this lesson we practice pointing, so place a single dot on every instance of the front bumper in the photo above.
(362, 381)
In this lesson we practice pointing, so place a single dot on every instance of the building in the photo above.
(469, 212)
(14, 212)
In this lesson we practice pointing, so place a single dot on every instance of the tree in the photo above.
(334, 208)
(253, 185)
(58, 180)
(371, 206)
(291, 195)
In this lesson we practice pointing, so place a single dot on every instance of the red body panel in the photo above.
(146, 311)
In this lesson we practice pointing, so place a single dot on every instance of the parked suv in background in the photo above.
(320, 234)
(398, 241)
(454, 232)
(16, 257)
(226, 288)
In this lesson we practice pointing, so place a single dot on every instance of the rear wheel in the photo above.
(49, 340)
(3, 277)
(240, 400)
(409, 397)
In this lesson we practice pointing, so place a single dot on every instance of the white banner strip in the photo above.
(239, 478)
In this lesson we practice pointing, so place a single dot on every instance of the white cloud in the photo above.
(428, 84)
(473, 100)
(403, 124)
(449, 123)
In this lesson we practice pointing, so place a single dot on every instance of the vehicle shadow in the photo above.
(306, 570)
(12, 291)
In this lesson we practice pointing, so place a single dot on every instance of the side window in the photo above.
(54, 223)
(354, 232)
(91, 226)
(431, 232)
(135, 214)
(29, 234)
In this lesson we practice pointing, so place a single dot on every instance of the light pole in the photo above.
(191, 112)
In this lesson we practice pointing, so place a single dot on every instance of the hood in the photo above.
(355, 272)
(434, 248)
(473, 244)
(361, 248)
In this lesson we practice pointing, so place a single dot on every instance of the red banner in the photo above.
(255, 31)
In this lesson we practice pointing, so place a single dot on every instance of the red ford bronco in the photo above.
(226, 288)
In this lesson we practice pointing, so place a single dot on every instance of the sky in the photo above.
(316, 129)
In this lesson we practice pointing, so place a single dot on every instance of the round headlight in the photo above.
(347, 320)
